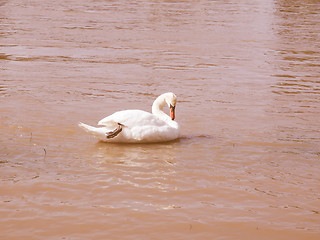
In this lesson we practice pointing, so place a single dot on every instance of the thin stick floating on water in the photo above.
(45, 153)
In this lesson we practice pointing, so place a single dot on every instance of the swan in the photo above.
(137, 126)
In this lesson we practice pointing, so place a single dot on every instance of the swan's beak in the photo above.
(172, 114)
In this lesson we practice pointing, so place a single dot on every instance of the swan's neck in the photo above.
(157, 109)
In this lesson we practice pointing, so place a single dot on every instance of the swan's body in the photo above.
(134, 126)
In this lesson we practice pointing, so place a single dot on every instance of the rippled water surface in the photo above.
(247, 77)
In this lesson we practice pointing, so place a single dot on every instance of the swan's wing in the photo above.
(131, 118)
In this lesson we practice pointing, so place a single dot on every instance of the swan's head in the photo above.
(171, 100)
(157, 107)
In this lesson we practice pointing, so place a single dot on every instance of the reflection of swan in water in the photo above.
(144, 166)
(133, 126)
(143, 155)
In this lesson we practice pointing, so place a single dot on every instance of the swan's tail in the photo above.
(98, 132)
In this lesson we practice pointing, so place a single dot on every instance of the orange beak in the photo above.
(172, 113)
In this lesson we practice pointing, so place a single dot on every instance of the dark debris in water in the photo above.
(197, 137)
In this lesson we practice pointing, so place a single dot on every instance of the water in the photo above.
(246, 74)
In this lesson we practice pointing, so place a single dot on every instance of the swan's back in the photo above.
(131, 118)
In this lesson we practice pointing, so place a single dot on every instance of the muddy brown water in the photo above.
(247, 77)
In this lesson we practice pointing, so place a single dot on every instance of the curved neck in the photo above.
(157, 108)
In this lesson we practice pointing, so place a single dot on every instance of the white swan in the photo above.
(134, 126)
